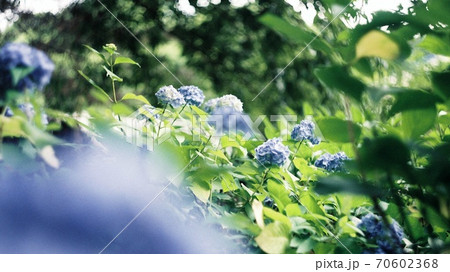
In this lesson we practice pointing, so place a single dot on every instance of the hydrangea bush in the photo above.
(274, 196)
(192, 95)
(170, 95)
(20, 59)
(272, 152)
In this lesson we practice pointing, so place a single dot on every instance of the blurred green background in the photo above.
(221, 48)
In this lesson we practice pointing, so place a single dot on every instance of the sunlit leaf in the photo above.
(131, 96)
(121, 59)
(274, 238)
(377, 44)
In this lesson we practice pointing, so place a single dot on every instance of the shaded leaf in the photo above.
(338, 130)
(338, 78)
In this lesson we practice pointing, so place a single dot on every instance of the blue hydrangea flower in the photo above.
(272, 152)
(269, 202)
(19, 55)
(210, 105)
(169, 95)
(304, 131)
(228, 100)
(227, 119)
(330, 162)
(9, 112)
(388, 239)
(192, 95)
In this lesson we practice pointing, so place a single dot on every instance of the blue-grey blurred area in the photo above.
(82, 206)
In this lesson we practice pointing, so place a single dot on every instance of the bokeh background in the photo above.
(220, 46)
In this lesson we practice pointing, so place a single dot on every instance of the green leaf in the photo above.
(240, 222)
(338, 78)
(38, 137)
(97, 53)
(436, 45)
(302, 245)
(293, 33)
(377, 44)
(279, 194)
(110, 74)
(441, 84)
(307, 172)
(386, 153)
(201, 189)
(121, 109)
(417, 122)
(274, 238)
(293, 210)
(219, 154)
(228, 183)
(347, 202)
(310, 203)
(95, 85)
(440, 10)
(20, 72)
(338, 183)
(412, 100)
(121, 59)
(338, 130)
(276, 216)
(12, 127)
(131, 96)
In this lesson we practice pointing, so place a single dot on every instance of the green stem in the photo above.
(295, 153)
(260, 185)
(160, 122)
(112, 80)
(178, 114)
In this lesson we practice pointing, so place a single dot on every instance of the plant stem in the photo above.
(112, 80)
(295, 153)
(178, 114)
(160, 122)
(260, 185)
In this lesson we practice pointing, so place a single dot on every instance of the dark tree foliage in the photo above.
(8, 5)
(223, 50)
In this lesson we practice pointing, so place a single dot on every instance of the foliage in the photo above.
(287, 195)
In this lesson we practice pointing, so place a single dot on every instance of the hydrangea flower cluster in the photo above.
(169, 95)
(269, 202)
(272, 152)
(192, 95)
(227, 119)
(21, 56)
(330, 162)
(304, 131)
(389, 240)
(228, 100)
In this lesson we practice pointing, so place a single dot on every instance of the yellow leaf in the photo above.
(274, 238)
(377, 44)
(48, 155)
(257, 208)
